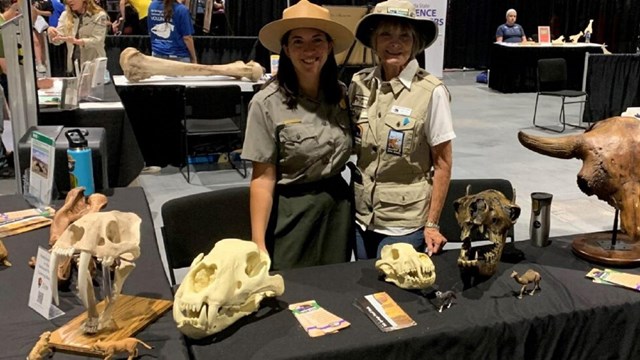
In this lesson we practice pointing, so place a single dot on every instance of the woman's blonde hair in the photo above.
(92, 9)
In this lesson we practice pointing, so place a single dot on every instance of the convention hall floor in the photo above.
(486, 123)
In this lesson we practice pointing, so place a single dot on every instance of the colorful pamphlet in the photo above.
(384, 312)
(41, 169)
(613, 277)
(544, 34)
(315, 320)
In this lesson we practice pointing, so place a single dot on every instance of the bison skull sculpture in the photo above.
(404, 266)
(610, 154)
(223, 286)
(490, 215)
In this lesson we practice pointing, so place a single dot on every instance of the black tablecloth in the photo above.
(571, 318)
(613, 85)
(21, 326)
(514, 68)
(125, 159)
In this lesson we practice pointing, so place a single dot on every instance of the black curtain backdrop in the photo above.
(471, 25)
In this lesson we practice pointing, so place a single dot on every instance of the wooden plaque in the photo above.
(130, 315)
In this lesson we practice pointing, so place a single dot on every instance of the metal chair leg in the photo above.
(545, 127)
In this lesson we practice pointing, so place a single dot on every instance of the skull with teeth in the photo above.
(486, 215)
(404, 266)
(223, 286)
(111, 237)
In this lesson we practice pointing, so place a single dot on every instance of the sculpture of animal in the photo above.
(576, 37)
(4, 255)
(445, 299)
(41, 348)
(128, 345)
(609, 151)
(530, 276)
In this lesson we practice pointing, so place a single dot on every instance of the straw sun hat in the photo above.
(396, 9)
(305, 15)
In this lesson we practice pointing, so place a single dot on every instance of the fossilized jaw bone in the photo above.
(113, 238)
(490, 214)
(404, 266)
(609, 151)
(223, 286)
(137, 66)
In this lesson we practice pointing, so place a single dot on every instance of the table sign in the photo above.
(40, 294)
(544, 34)
(41, 169)
(384, 312)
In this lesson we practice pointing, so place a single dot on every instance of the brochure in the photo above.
(41, 168)
(315, 320)
(613, 277)
(384, 312)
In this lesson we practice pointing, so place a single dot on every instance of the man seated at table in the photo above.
(510, 31)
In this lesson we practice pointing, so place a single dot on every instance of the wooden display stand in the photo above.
(130, 315)
(609, 247)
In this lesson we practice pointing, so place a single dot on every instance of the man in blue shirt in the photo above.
(510, 31)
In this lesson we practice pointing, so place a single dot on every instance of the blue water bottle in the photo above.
(80, 163)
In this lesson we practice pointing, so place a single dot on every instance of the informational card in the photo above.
(384, 312)
(40, 294)
(544, 34)
(316, 320)
(41, 169)
(613, 277)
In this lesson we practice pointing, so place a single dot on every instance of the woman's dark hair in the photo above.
(288, 80)
(168, 9)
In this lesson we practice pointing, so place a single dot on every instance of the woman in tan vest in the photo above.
(403, 135)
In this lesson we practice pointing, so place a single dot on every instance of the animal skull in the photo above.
(488, 214)
(223, 286)
(404, 266)
(114, 239)
(137, 66)
(610, 151)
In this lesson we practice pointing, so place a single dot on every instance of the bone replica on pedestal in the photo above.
(404, 266)
(490, 214)
(111, 237)
(610, 153)
(574, 38)
(223, 286)
(589, 28)
(137, 66)
(559, 40)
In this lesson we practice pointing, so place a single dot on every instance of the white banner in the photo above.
(435, 10)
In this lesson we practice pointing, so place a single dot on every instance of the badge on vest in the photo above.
(400, 110)
(394, 142)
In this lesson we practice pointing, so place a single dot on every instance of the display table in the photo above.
(125, 160)
(514, 66)
(21, 326)
(571, 318)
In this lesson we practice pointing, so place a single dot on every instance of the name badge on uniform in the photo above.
(400, 110)
(394, 142)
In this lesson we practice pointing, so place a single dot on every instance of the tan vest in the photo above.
(394, 157)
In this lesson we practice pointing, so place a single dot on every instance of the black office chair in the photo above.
(194, 223)
(449, 227)
(552, 81)
(214, 111)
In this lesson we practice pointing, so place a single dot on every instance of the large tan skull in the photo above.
(111, 237)
(488, 214)
(610, 154)
(220, 288)
(404, 266)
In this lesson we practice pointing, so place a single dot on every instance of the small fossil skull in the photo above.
(490, 215)
(223, 286)
(404, 266)
(111, 237)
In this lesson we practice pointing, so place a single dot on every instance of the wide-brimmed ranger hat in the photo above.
(396, 9)
(305, 15)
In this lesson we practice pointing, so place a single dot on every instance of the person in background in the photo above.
(298, 138)
(403, 135)
(171, 31)
(57, 7)
(510, 31)
(83, 28)
(8, 10)
(142, 9)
